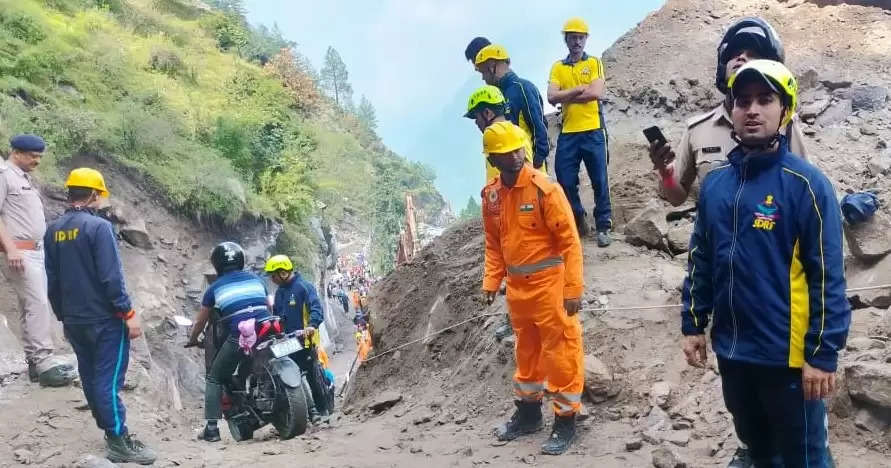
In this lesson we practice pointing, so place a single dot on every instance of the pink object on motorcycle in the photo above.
(248, 335)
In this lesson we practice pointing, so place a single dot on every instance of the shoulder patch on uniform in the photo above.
(545, 183)
(698, 119)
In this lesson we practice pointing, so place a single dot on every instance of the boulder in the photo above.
(870, 421)
(870, 383)
(648, 228)
(660, 393)
(869, 240)
(863, 343)
(135, 234)
(836, 113)
(665, 458)
(679, 236)
(871, 98)
(879, 164)
(599, 383)
(862, 274)
(814, 109)
(92, 461)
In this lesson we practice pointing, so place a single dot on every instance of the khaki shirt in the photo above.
(21, 209)
(707, 142)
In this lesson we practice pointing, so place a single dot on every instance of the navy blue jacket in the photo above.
(525, 109)
(766, 260)
(297, 302)
(83, 269)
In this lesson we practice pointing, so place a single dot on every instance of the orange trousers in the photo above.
(549, 342)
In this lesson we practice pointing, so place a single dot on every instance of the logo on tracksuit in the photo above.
(766, 215)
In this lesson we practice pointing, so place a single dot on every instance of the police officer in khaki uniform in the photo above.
(22, 225)
(709, 137)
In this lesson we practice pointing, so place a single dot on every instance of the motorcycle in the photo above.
(267, 387)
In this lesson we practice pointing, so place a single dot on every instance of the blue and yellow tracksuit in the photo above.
(297, 302)
(583, 139)
(87, 292)
(766, 263)
(525, 109)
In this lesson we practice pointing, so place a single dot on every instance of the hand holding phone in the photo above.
(660, 151)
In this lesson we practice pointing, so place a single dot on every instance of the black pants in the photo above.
(308, 361)
(224, 364)
(773, 418)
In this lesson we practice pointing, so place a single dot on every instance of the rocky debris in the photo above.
(385, 401)
(869, 240)
(23, 456)
(92, 461)
(423, 419)
(663, 457)
(599, 383)
(12, 356)
(869, 383)
(870, 420)
(679, 438)
(660, 393)
(679, 236)
(879, 164)
(871, 98)
(648, 228)
(863, 343)
(861, 274)
(810, 111)
(136, 234)
(633, 445)
(836, 113)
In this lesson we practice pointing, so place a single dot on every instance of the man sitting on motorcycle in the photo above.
(298, 304)
(237, 295)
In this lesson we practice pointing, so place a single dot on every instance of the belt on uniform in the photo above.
(25, 245)
(244, 311)
(530, 268)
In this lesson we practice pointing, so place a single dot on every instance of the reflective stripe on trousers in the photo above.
(529, 391)
(567, 403)
(530, 268)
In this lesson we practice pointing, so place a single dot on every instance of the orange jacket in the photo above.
(529, 228)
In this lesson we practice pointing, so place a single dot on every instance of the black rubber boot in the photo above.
(505, 329)
(525, 420)
(211, 433)
(126, 449)
(581, 224)
(561, 437)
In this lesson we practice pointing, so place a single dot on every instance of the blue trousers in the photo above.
(103, 352)
(773, 418)
(572, 150)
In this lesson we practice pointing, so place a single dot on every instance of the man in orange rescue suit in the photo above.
(531, 239)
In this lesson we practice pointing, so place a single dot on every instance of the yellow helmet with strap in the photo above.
(775, 75)
(278, 262)
(84, 177)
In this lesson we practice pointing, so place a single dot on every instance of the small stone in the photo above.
(272, 451)
(879, 164)
(529, 459)
(423, 419)
(681, 425)
(808, 130)
(135, 234)
(660, 394)
(416, 450)
(679, 438)
(92, 461)
(836, 113)
(23, 456)
(633, 445)
(162, 259)
(461, 419)
(867, 129)
(649, 227)
(599, 383)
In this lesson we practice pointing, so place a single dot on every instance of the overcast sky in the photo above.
(407, 57)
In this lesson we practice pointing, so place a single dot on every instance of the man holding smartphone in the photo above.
(708, 138)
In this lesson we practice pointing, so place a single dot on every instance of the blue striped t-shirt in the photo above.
(234, 293)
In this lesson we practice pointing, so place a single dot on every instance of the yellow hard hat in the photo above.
(575, 25)
(488, 94)
(87, 178)
(491, 52)
(503, 137)
(278, 262)
(776, 75)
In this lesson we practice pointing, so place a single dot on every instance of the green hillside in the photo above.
(228, 120)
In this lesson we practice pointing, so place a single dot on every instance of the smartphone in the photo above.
(653, 135)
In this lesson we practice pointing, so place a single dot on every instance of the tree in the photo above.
(229, 6)
(471, 211)
(296, 75)
(334, 78)
(367, 115)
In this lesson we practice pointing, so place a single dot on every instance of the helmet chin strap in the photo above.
(760, 147)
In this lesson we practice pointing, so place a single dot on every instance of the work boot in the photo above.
(126, 449)
(741, 459)
(57, 376)
(581, 224)
(211, 433)
(504, 330)
(525, 420)
(603, 239)
(561, 436)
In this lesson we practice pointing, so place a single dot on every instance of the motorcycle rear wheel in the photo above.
(290, 418)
